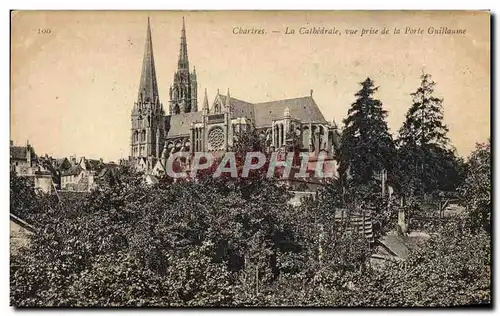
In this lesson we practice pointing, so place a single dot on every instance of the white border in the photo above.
(188, 5)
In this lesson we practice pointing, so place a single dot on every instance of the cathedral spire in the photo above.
(148, 88)
(184, 96)
(183, 54)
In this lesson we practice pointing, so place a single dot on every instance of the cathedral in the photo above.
(155, 134)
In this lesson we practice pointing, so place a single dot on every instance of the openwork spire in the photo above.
(183, 54)
(148, 88)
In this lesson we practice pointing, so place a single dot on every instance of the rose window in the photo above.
(216, 138)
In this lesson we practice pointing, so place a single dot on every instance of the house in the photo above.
(298, 197)
(61, 164)
(25, 163)
(109, 170)
(395, 247)
(47, 165)
(22, 159)
(81, 175)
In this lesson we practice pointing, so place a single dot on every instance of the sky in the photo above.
(73, 87)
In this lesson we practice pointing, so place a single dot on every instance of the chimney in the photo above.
(11, 143)
(312, 92)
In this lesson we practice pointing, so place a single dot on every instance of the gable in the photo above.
(62, 164)
(239, 108)
(158, 169)
(217, 105)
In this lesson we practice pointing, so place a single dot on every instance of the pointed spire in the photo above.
(228, 101)
(148, 87)
(205, 102)
(183, 54)
(228, 98)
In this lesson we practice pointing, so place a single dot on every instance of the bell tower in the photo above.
(147, 115)
(183, 91)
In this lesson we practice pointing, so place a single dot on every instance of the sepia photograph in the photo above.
(250, 159)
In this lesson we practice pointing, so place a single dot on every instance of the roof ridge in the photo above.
(271, 101)
(22, 222)
(236, 99)
(289, 99)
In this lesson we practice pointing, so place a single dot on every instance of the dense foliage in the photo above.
(23, 201)
(476, 189)
(366, 145)
(220, 243)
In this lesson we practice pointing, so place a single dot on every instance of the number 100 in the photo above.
(43, 31)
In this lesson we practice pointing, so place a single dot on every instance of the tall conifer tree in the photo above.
(426, 161)
(366, 145)
(424, 120)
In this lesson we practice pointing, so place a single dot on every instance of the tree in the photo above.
(426, 161)
(424, 120)
(366, 145)
(476, 189)
(23, 200)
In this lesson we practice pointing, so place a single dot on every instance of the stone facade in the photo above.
(155, 135)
